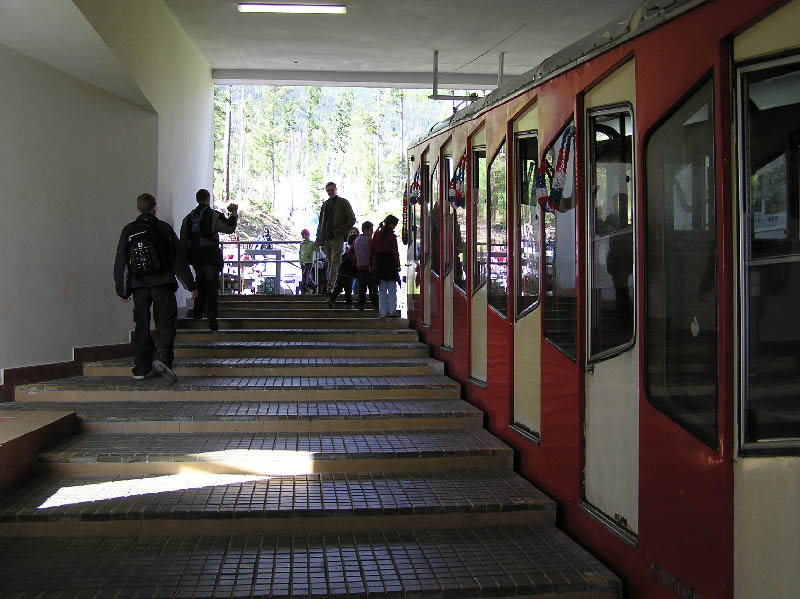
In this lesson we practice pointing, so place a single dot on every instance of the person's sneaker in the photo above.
(165, 371)
(139, 377)
(383, 316)
(392, 315)
(212, 323)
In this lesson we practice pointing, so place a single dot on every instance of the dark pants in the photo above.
(365, 283)
(343, 283)
(306, 282)
(207, 277)
(165, 315)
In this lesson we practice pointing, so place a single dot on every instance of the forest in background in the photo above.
(275, 147)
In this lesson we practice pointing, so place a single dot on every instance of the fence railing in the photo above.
(264, 267)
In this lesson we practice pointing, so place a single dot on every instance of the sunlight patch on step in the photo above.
(142, 486)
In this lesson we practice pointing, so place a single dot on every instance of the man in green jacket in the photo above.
(335, 220)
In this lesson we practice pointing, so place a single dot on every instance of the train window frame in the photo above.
(518, 183)
(558, 341)
(748, 261)
(501, 148)
(621, 108)
(427, 204)
(670, 407)
(479, 272)
(434, 217)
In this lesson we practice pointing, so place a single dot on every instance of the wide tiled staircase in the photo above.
(304, 452)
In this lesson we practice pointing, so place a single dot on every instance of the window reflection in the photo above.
(529, 226)
(498, 232)
(771, 132)
(480, 237)
(556, 191)
(681, 305)
(611, 188)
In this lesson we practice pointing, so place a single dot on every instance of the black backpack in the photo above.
(144, 256)
(200, 228)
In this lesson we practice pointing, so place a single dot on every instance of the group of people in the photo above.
(150, 256)
(370, 259)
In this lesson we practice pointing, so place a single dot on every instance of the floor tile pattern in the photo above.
(178, 496)
(140, 447)
(183, 411)
(402, 564)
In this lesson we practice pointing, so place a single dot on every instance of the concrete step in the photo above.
(292, 300)
(270, 367)
(265, 320)
(236, 504)
(501, 562)
(261, 417)
(276, 453)
(305, 334)
(301, 349)
(212, 388)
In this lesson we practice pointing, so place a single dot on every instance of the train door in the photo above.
(480, 298)
(611, 379)
(766, 473)
(447, 270)
(430, 198)
(526, 415)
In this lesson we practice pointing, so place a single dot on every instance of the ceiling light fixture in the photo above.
(326, 9)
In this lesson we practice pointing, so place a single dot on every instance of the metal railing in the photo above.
(264, 267)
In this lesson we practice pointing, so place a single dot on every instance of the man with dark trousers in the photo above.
(148, 258)
(200, 238)
(335, 219)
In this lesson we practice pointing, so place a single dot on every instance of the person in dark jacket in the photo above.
(156, 288)
(386, 266)
(200, 231)
(348, 272)
(335, 219)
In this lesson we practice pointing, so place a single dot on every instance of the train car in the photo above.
(605, 252)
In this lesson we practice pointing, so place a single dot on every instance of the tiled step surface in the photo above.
(267, 416)
(286, 334)
(297, 348)
(192, 504)
(275, 366)
(276, 453)
(267, 320)
(232, 388)
(323, 313)
(520, 561)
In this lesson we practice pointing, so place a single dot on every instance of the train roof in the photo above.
(648, 15)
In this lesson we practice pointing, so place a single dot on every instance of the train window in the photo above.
(680, 265)
(497, 208)
(447, 173)
(427, 203)
(556, 184)
(479, 236)
(528, 228)
(610, 212)
(460, 234)
(770, 195)
(433, 238)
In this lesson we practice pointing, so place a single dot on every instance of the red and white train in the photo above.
(617, 286)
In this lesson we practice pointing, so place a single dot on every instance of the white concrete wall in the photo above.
(73, 159)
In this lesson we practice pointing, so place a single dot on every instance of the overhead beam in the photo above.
(408, 80)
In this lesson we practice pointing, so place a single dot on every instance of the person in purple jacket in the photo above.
(363, 251)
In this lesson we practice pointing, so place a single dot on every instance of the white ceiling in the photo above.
(390, 42)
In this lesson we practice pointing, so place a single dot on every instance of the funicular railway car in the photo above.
(617, 285)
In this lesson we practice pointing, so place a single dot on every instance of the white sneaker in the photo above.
(165, 371)
(139, 377)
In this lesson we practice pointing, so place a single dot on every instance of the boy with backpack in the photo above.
(200, 231)
(148, 258)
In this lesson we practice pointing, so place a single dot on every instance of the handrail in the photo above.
(246, 257)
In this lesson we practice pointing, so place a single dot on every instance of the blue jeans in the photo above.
(387, 297)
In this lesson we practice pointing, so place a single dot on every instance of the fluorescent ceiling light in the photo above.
(295, 8)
